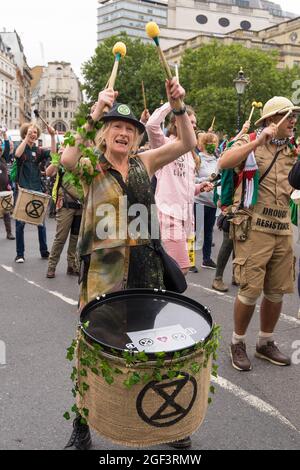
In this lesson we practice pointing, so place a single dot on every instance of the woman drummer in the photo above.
(115, 257)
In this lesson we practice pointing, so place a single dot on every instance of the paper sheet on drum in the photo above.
(165, 339)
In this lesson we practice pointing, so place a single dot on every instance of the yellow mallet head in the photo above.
(254, 104)
(153, 31)
(259, 105)
(119, 48)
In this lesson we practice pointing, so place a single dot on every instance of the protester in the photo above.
(175, 188)
(29, 177)
(114, 263)
(225, 203)
(4, 179)
(262, 231)
(68, 197)
(207, 145)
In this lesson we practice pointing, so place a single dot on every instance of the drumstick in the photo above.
(38, 116)
(153, 32)
(177, 72)
(119, 50)
(144, 95)
(254, 105)
(284, 118)
(213, 123)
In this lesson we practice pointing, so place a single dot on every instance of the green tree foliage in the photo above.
(208, 73)
(140, 64)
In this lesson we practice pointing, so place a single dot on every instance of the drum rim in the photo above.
(132, 292)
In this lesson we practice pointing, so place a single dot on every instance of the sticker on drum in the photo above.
(161, 339)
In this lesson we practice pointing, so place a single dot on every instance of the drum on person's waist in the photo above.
(168, 396)
(31, 206)
(6, 202)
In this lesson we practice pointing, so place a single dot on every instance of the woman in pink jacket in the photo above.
(176, 188)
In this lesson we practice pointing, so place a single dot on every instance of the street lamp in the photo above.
(240, 84)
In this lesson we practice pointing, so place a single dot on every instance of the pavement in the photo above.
(38, 317)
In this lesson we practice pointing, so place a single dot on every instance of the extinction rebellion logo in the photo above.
(165, 404)
(35, 209)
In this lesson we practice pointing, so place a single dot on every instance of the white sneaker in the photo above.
(20, 260)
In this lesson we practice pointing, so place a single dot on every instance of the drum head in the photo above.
(145, 320)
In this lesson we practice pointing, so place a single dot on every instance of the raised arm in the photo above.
(153, 126)
(71, 155)
(155, 159)
(236, 155)
(52, 133)
(21, 149)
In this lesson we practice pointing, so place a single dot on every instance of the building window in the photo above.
(201, 19)
(54, 103)
(53, 115)
(245, 25)
(65, 103)
(224, 22)
(66, 115)
(60, 127)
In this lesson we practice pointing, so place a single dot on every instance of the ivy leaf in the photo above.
(172, 374)
(146, 378)
(74, 409)
(142, 356)
(67, 416)
(109, 379)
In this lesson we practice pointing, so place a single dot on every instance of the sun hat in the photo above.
(277, 105)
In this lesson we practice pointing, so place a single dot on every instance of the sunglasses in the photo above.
(290, 117)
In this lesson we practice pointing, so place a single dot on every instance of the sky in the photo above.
(63, 30)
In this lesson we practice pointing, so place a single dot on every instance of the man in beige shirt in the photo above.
(264, 259)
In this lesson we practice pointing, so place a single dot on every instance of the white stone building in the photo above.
(180, 20)
(23, 75)
(56, 94)
(9, 89)
(189, 18)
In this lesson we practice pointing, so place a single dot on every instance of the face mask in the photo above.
(210, 148)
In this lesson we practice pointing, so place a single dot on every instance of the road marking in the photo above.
(32, 283)
(231, 300)
(252, 401)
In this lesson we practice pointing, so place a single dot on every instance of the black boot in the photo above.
(7, 223)
(81, 436)
(182, 444)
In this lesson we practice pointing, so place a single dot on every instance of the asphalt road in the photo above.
(255, 410)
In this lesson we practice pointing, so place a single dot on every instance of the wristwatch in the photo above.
(179, 112)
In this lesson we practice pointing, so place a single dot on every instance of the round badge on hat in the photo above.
(124, 110)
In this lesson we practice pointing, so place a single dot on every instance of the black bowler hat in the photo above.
(122, 112)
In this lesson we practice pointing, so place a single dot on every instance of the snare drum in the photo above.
(151, 412)
(31, 207)
(6, 202)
